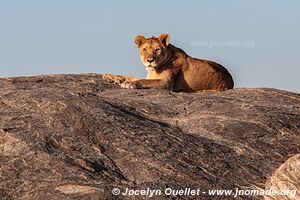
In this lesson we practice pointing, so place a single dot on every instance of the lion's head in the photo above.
(153, 51)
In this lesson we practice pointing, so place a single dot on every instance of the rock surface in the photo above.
(78, 137)
(286, 178)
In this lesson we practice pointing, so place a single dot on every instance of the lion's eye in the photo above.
(145, 50)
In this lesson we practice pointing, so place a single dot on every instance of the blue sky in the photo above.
(257, 40)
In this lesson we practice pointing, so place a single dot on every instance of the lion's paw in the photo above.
(130, 85)
(113, 78)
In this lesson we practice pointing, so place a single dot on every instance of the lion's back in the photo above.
(200, 75)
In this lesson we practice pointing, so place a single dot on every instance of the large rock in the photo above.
(78, 137)
(286, 180)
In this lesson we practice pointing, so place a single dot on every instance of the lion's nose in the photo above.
(150, 60)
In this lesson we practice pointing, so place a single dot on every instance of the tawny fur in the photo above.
(171, 68)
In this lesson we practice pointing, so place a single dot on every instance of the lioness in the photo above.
(171, 68)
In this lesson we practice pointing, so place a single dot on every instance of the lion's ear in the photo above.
(139, 40)
(164, 39)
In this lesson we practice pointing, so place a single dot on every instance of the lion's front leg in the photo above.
(147, 84)
(117, 79)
